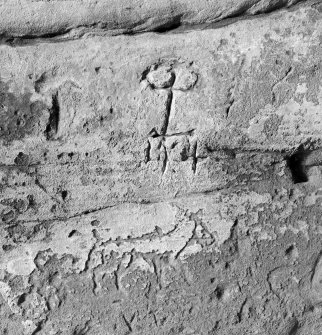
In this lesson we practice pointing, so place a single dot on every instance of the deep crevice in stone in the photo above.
(52, 126)
(295, 163)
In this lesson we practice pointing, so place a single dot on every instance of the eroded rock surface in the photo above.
(163, 183)
(30, 18)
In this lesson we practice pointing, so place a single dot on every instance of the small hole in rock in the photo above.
(289, 250)
(95, 223)
(219, 292)
(21, 159)
(64, 194)
(7, 247)
(22, 299)
(295, 164)
(73, 233)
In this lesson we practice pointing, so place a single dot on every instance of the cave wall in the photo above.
(161, 167)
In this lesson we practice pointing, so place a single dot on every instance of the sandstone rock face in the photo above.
(160, 183)
(58, 17)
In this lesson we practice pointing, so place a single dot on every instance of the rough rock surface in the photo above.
(161, 183)
(57, 17)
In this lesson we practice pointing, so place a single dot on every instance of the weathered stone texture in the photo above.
(74, 17)
(161, 183)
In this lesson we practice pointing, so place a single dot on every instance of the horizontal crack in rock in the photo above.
(173, 25)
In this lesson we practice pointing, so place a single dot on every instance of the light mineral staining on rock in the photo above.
(161, 167)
